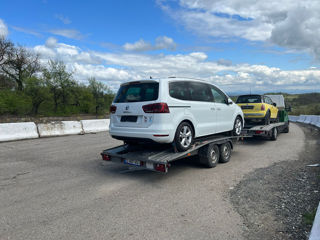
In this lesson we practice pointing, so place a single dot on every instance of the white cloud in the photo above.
(3, 29)
(63, 19)
(162, 42)
(27, 31)
(287, 23)
(51, 42)
(68, 33)
(115, 68)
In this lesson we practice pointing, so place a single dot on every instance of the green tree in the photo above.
(37, 90)
(60, 82)
(97, 90)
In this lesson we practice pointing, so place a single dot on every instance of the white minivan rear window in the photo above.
(137, 92)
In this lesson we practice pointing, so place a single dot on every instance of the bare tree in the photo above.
(6, 48)
(20, 65)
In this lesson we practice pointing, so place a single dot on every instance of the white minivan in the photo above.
(172, 110)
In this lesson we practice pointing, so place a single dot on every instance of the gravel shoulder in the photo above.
(273, 200)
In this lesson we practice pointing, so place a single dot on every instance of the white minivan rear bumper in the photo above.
(156, 135)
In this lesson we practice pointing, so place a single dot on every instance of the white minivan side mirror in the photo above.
(230, 101)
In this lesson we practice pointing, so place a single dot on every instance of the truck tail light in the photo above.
(160, 168)
(113, 109)
(156, 108)
(105, 157)
(262, 107)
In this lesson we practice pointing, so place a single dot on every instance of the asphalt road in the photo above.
(58, 188)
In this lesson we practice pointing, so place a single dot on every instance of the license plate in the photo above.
(132, 162)
(129, 118)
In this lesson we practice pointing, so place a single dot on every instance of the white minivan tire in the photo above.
(237, 127)
(183, 138)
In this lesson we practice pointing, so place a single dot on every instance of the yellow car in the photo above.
(258, 108)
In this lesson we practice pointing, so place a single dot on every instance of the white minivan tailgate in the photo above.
(132, 115)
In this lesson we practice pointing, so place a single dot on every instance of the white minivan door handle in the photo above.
(213, 108)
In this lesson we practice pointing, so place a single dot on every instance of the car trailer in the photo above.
(270, 131)
(159, 157)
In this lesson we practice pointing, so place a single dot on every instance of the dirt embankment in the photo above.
(274, 202)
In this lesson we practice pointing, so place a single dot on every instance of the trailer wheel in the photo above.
(274, 134)
(209, 155)
(225, 152)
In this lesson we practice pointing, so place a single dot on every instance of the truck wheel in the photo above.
(286, 129)
(209, 155)
(225, 152)
(267, 119)
(274, 134)
(237, 127)
(184, 137)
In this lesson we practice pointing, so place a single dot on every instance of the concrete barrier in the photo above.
(302, 118)
(95, 125)
(315, 231)
(308, 119)
(18, 131)
(317, 123)
(293, 118)
(59, 128)
(314, 119)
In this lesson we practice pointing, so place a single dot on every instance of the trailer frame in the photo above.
(159, 157)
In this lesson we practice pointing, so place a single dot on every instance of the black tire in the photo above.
(184, 131)
(267, 118)
(225, 152)
(286, 129)
(274, 134)
(237, 126)
(209, 155)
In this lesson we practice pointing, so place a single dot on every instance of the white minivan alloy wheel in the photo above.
(185, 136)
(238, 126)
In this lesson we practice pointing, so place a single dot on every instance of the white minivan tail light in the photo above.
(156, 108)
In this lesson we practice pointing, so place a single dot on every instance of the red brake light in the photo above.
(113, 109)
(156, 108)
(262, 107)
(105, 157)
(160, 168)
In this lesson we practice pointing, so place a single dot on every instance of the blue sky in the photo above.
(269, 47)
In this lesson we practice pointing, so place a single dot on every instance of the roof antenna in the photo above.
(150, 77)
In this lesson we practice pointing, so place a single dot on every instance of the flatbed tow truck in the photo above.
(273, 129)
(209, 150)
